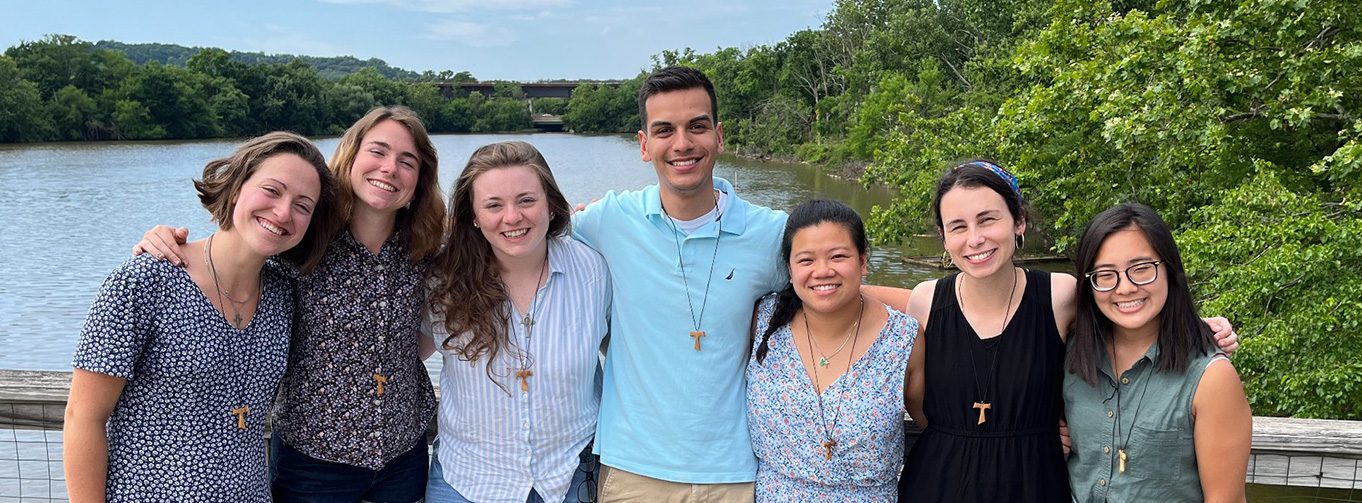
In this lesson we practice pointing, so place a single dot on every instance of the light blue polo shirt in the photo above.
(668, 411)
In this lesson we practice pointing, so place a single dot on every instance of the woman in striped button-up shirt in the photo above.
(519, 313)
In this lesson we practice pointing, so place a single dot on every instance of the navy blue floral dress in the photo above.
(172, 435)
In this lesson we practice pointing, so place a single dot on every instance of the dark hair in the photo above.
(222, 180)
(419, 225)
(675, 78)
(467, 290)
(982, 173)
(1181, 330)
(808, 214)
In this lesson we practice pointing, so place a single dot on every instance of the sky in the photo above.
(523, 40)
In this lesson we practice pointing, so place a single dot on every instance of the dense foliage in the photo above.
(61, 88)
(1237, 120)
(331, 68)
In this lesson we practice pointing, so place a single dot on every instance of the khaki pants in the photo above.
(625, 487)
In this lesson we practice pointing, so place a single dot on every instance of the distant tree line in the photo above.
(62, 88)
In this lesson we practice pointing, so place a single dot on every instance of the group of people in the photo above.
(782, 378)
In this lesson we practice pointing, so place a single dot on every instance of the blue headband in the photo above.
(1002, 173)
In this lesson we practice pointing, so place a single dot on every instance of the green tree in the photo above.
(21, 106)
(74, 114)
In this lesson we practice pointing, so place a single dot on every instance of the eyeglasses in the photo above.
(1107, 280)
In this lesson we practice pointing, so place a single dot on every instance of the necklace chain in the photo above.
(235, 305)
(523, 356)
(974, 368)
(1144, 387)
(824, 358)
(680, 261)
(830, 432)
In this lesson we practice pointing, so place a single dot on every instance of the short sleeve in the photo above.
(119, 322)
(586, 224)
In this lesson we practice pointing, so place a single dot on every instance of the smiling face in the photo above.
(511, 209)
(1130, 307)
(978, 231)
(385, 169)
(275, 205)
(826, 267)
(682, 139)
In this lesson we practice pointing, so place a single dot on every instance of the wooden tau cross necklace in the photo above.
(982, 404)
(830, 432)
(696, 333)
(527, 322)
(240, 413)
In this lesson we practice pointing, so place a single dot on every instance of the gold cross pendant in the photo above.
(381, 380)
(697, 334)
(982, 406)
(1122, 454)
(827, 448)
(524, 376)
(240, 413)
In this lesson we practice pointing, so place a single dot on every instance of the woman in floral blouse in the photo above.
(356, 401)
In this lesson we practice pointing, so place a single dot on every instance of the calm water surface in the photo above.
(70, 213)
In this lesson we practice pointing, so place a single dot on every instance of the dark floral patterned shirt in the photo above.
(355, 333)
(173, 435)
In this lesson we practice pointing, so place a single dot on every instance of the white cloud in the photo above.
(453, 6)
(278, 39)
(469, 33)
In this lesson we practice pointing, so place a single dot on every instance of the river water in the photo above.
(70, 212)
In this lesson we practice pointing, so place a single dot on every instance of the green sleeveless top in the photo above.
(1145, 412)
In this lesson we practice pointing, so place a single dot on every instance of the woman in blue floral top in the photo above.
(825, 384)
(177, 367)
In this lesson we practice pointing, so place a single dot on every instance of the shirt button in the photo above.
(1102, 482)
(376, 402)
(1110, 414)
(1125, 380)
(384, 303)
(379, 268)
(1106, 450)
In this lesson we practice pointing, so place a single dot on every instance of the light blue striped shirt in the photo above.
(498, 442)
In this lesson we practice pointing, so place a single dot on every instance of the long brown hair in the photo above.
(420, 224)
(467, 290)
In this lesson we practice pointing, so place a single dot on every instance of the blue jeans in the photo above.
(298, 478)
(582, 489)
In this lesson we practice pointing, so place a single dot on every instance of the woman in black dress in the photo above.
(988, 394)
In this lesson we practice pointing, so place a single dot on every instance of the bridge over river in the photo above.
(531, 91)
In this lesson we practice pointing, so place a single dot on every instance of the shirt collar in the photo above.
(734, 216)
(1151, 355)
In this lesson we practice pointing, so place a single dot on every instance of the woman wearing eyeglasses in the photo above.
(1144, 373)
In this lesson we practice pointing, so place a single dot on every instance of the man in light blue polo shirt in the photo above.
(688, 258)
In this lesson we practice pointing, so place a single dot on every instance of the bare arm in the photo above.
(896, 298)
(1063, 288)
(1223, 432)
(163, 242)
(915, 383)
(85, 447)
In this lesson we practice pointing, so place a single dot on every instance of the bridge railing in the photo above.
(1313, 453)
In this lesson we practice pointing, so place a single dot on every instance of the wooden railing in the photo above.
(1286, 451)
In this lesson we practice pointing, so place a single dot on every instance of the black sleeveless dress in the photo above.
(1015, 456)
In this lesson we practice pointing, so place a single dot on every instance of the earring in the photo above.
(1021, 241)
(475, 225)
